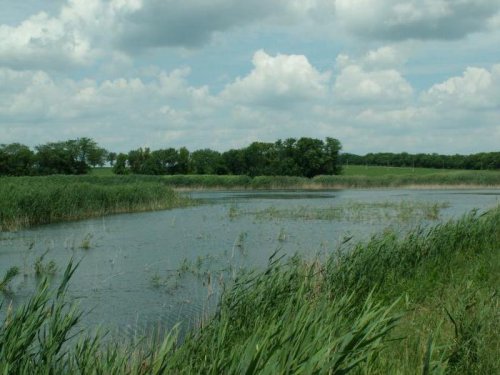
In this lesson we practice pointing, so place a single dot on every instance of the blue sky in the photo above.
(379, 75)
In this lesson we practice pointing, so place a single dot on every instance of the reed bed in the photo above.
(28, 201)
(437, 180)
(425, 303)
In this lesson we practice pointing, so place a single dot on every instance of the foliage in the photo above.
(74, 156)
(16, 160)
(483, 160)
(303, 157)
(11, 273)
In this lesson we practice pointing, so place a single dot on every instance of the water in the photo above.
(148, 271)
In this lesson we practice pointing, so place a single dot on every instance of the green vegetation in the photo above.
(74, 156)
(11, 273)
(374, 171)
(426, 303)
(306, 157)
(102, 171)
(482, 160)
(42, 268)
(402, 211)
(460, 178)
(28, 201)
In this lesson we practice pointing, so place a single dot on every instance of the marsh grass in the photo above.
(403, 211)
(28, 201)
(422, 303)
(44, 268)
(377, 179)
(11, 273)
(86, 243)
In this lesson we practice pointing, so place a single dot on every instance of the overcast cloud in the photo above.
(380, 75)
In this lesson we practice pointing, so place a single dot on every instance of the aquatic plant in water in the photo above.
(11, 273)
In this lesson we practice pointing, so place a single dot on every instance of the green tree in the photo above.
(183, 162)
(16, 160)
(111, 157)
(332, 160)
(310, 156)
(120, 167)
(206, 161)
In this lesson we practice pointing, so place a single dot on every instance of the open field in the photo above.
(425, 303)
(102, 171)
(361, 170)
(28, 201)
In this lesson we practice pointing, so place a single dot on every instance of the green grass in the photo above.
(425, 303)
(361, 170)
(402, 211)
(102, 171)
(28, 201)
(353, 176)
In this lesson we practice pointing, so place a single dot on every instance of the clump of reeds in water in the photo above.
(402, 211)
(27, 201)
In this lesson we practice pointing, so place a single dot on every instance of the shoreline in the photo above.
(319, 187)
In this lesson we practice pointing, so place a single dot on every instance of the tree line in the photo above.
(75, 156)
(306, 157)
(483, 160)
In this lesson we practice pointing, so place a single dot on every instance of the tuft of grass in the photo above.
(86, 243)
(11, 273)
(42, 268)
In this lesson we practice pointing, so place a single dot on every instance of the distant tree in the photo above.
(120, 167)
(60, 158)
(233, 162)
(86, 150)
(206, 161)
(285, 164)
(137, 160)
(16, 160)
(168, 160)
(258, 158)
(183, 161)
(310, 156)
(332, 163)
(111, 157)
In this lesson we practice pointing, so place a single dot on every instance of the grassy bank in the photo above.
(352, 177)
(426, 303)
(438, 180)
(370, 170)
(28, 201)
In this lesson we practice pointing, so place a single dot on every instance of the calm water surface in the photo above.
(146, 270)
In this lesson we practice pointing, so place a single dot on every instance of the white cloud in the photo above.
(356, 85)
(278, 82)
(415, 19)
(477, 88)
(85, 30)
(39, 106)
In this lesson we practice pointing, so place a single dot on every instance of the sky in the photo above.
(379, 75)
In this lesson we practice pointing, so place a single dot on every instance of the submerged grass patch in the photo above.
(28, 201)
(358, 211)
(424, 303)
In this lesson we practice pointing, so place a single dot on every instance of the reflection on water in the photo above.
(148, 271)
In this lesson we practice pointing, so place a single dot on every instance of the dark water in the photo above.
(150, 270)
